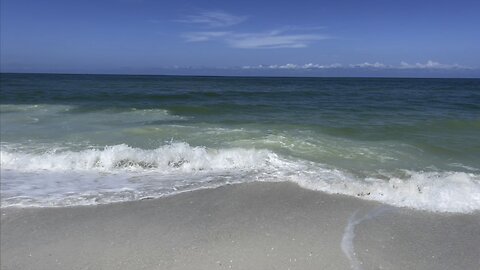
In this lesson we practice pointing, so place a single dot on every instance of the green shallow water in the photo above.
(437, 121)
(363, 127)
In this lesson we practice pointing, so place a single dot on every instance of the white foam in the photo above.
(432, 191)
(172, 157)
(120, 173)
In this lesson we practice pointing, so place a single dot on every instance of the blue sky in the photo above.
(304, 38)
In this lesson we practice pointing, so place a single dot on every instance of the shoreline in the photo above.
(240, 226)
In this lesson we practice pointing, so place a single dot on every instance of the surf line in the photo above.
(349, 234)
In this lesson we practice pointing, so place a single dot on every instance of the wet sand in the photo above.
(245, 226)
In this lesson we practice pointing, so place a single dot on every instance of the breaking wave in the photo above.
(121, 173)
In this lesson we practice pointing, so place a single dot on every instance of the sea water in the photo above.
(91, 139)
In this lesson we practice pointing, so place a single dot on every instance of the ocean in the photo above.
(94, 139)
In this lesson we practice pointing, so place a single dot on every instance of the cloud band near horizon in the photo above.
(433, 65)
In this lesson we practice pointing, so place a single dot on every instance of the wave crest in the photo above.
(175, 156)
(121, 172)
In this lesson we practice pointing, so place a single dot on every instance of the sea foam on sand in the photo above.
(244, 226)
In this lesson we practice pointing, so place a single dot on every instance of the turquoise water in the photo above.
(86, 139)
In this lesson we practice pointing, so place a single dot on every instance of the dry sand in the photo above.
(246, 226)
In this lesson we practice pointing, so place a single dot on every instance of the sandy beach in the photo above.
(245, 226)
(248, 135)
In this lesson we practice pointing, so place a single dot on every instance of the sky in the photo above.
(420, 38)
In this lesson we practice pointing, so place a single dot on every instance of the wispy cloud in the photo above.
(285, 37)
(204, 36)
(431, 65)
(262, 40)
(366, 65)
(294, 66)
(272, 40)
(369, 65)
(213, 19)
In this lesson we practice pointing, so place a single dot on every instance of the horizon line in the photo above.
(237, 76)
